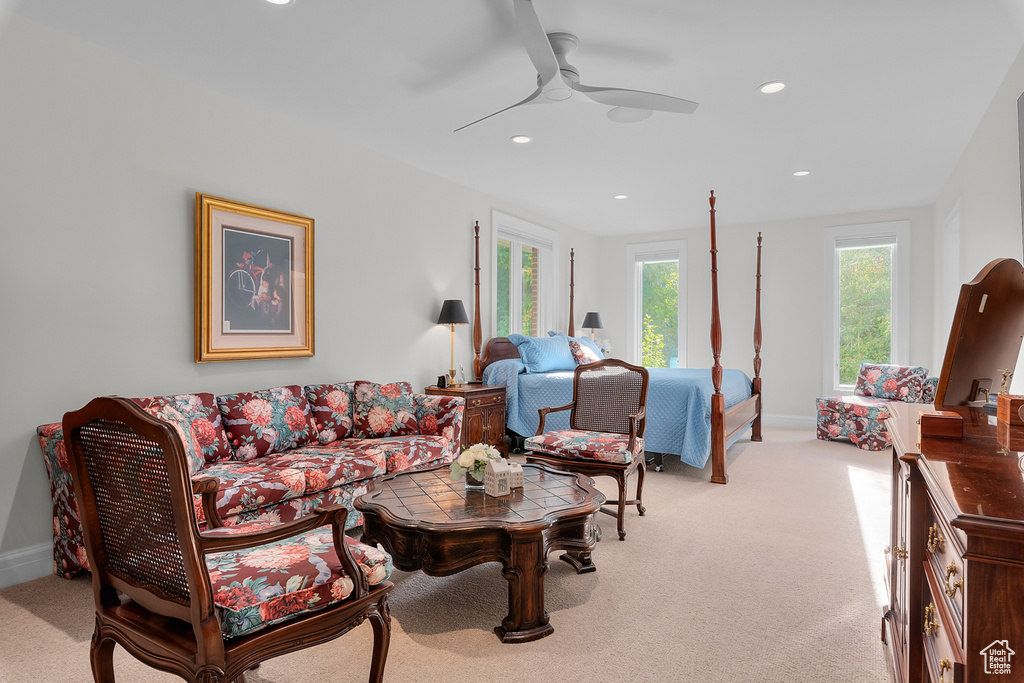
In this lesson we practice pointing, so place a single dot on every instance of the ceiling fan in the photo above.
(557, 80)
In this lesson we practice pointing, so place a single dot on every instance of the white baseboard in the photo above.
(791, 421)
(25, 564)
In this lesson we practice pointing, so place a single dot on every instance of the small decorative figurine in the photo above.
(517, 475)
(498, 478)
(462, 374)
(1004, 388)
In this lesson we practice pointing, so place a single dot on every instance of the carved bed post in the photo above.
(755, 429)
(572, 284)
(718, 475)
(477, 334)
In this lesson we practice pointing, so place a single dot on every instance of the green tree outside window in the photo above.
(865, 308)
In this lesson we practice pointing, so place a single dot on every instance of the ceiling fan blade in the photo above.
(528, 100)
(536, 41)
(636, 99)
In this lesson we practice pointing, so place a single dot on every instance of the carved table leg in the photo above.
(524, 571)
(580, 560)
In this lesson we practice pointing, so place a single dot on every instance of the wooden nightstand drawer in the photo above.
(496, 399)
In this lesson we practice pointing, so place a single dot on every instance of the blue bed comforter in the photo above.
(678, 404)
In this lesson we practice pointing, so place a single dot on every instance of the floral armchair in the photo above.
(861, 417)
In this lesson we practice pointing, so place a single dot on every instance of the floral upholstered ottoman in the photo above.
(861, 417)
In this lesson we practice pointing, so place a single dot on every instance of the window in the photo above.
(866, 299)
(656, 304)
(524, 274)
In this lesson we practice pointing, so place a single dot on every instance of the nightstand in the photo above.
(484, 417)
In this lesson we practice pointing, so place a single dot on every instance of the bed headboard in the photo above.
(498, 348)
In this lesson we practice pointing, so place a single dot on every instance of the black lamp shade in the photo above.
(593, 320)
(453, 313)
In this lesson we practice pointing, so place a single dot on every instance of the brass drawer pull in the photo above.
(498, 399)
(931, 624)
(900, 554)
(475, 401)
(944, 665)
(957, 585)
(935, 539)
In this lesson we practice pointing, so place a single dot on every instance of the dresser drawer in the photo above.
(944, 553)
(943, 656)
(497, 399)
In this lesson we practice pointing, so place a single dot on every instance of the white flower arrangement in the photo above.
(474, 459)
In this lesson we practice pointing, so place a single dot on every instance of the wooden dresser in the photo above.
(484, 419)
(955, 563)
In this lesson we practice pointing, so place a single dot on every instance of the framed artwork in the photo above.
(254, 282)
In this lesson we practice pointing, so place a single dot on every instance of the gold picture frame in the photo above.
(253, 282)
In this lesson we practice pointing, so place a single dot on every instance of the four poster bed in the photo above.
(692, 413)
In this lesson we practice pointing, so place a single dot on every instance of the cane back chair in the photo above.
(162, 587)
(606, 429)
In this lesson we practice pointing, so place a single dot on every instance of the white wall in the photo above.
(986, 183)
(100, 158)
(792, 277)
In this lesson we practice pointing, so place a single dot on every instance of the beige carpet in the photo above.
(775, 577)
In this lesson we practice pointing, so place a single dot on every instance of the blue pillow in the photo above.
(544, 354)
(586, 341)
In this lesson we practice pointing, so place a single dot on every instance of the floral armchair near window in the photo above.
(861, 417)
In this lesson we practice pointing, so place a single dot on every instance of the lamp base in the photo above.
(451, 379)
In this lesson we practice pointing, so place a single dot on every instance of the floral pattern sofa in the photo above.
(861, 417)
(276, 454)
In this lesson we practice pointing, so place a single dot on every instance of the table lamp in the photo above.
(592, 320)
(453, 313)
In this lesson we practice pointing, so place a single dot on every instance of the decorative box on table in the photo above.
(1008, 408)
(941, 423)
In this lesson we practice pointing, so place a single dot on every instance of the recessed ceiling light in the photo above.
(280, 2)
(800, 174)
(771, 87)
(621, 196)
(521, 139)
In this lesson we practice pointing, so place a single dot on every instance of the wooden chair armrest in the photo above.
(634, 427)
(207, 487)
(543, 412)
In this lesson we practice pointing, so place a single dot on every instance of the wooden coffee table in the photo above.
(426, 521)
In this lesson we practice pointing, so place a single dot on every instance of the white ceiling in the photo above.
(881, 99)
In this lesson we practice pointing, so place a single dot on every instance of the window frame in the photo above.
(895, 233)
(520, 232)
(637, 254)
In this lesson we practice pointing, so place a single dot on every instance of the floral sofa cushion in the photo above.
(441, 416)
(341, 462)
(256, 587)
(381, 410)
(197, 420)
(332, 409)
(268, 421)
(582, 445)
(294, 508)
(898, 382)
